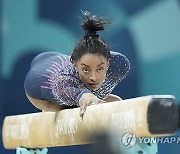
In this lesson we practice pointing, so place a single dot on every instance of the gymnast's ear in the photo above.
(108, 63)
(75, 65)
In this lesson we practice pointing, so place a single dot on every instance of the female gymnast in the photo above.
(56, 81)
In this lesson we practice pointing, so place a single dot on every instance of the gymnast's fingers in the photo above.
(83, 108)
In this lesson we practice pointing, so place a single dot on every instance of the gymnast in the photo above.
(57, 81)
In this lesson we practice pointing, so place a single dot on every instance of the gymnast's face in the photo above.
(92, 70)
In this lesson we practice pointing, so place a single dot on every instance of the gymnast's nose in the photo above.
(93, 77)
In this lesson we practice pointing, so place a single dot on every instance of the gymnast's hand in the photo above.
(88, 99)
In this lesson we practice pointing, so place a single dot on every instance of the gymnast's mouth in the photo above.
(94, 85)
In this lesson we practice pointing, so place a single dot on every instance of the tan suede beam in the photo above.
(50, 129)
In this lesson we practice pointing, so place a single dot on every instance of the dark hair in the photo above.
(91, 42)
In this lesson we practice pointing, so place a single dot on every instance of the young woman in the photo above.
(56, 81)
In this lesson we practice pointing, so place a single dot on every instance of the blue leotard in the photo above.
(53, 77)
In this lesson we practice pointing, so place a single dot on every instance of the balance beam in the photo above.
(145, 116)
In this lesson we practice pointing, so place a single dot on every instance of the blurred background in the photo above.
(146, 31)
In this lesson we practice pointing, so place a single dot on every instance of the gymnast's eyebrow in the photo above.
(85, 65)
(96, 66)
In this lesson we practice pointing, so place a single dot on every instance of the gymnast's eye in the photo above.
(100, 69)
(85, 70)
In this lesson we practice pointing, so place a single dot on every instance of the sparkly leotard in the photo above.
(53, 77)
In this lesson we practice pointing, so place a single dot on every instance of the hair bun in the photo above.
(92, 24)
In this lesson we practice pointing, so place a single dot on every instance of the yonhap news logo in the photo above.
(129, 140)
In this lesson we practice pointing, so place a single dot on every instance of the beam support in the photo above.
(20, 150)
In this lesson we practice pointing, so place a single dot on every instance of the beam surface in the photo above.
(63, 128)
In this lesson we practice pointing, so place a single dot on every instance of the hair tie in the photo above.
(87, 35)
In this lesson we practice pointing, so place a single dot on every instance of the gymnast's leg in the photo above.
(112, 98)
(45, 105)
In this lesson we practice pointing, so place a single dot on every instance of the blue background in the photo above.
(146, 31)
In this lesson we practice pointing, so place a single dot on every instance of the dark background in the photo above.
(146, 31)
